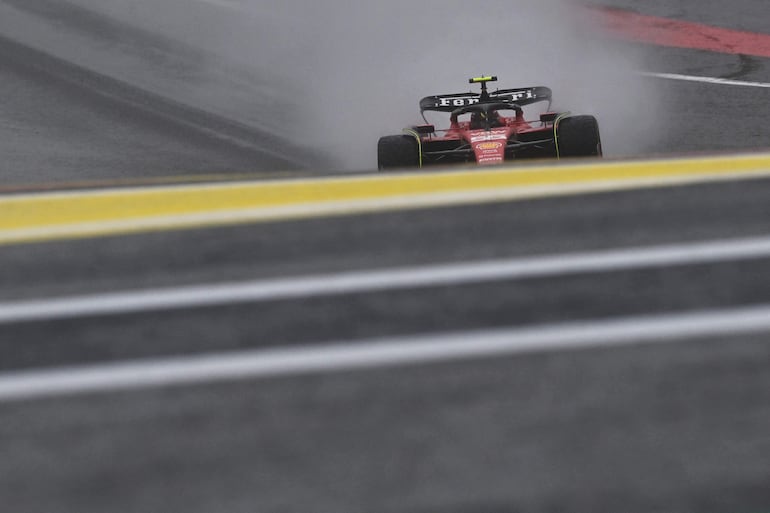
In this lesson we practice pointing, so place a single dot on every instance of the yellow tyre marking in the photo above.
(414, 134)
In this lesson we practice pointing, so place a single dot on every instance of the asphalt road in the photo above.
(385, 241)
(660, 427)
(95, 98)
(676, 425)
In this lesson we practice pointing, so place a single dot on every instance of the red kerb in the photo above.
(683, 34)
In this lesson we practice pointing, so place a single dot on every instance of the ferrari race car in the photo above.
(489, 128)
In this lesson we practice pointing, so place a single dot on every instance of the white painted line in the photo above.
(706, 80)
(405, 278)
(377, 353)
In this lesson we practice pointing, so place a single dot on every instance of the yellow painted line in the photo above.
(47, 216)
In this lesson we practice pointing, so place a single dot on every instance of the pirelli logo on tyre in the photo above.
(491, 145)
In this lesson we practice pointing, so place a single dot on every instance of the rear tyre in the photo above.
(397, 151)
(579, 137)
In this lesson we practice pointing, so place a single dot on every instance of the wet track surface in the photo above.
(387, 241)
(99, 99)
(679, 425)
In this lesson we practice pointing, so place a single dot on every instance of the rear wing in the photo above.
(521, 96)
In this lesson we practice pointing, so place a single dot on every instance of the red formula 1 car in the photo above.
(489, 128)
